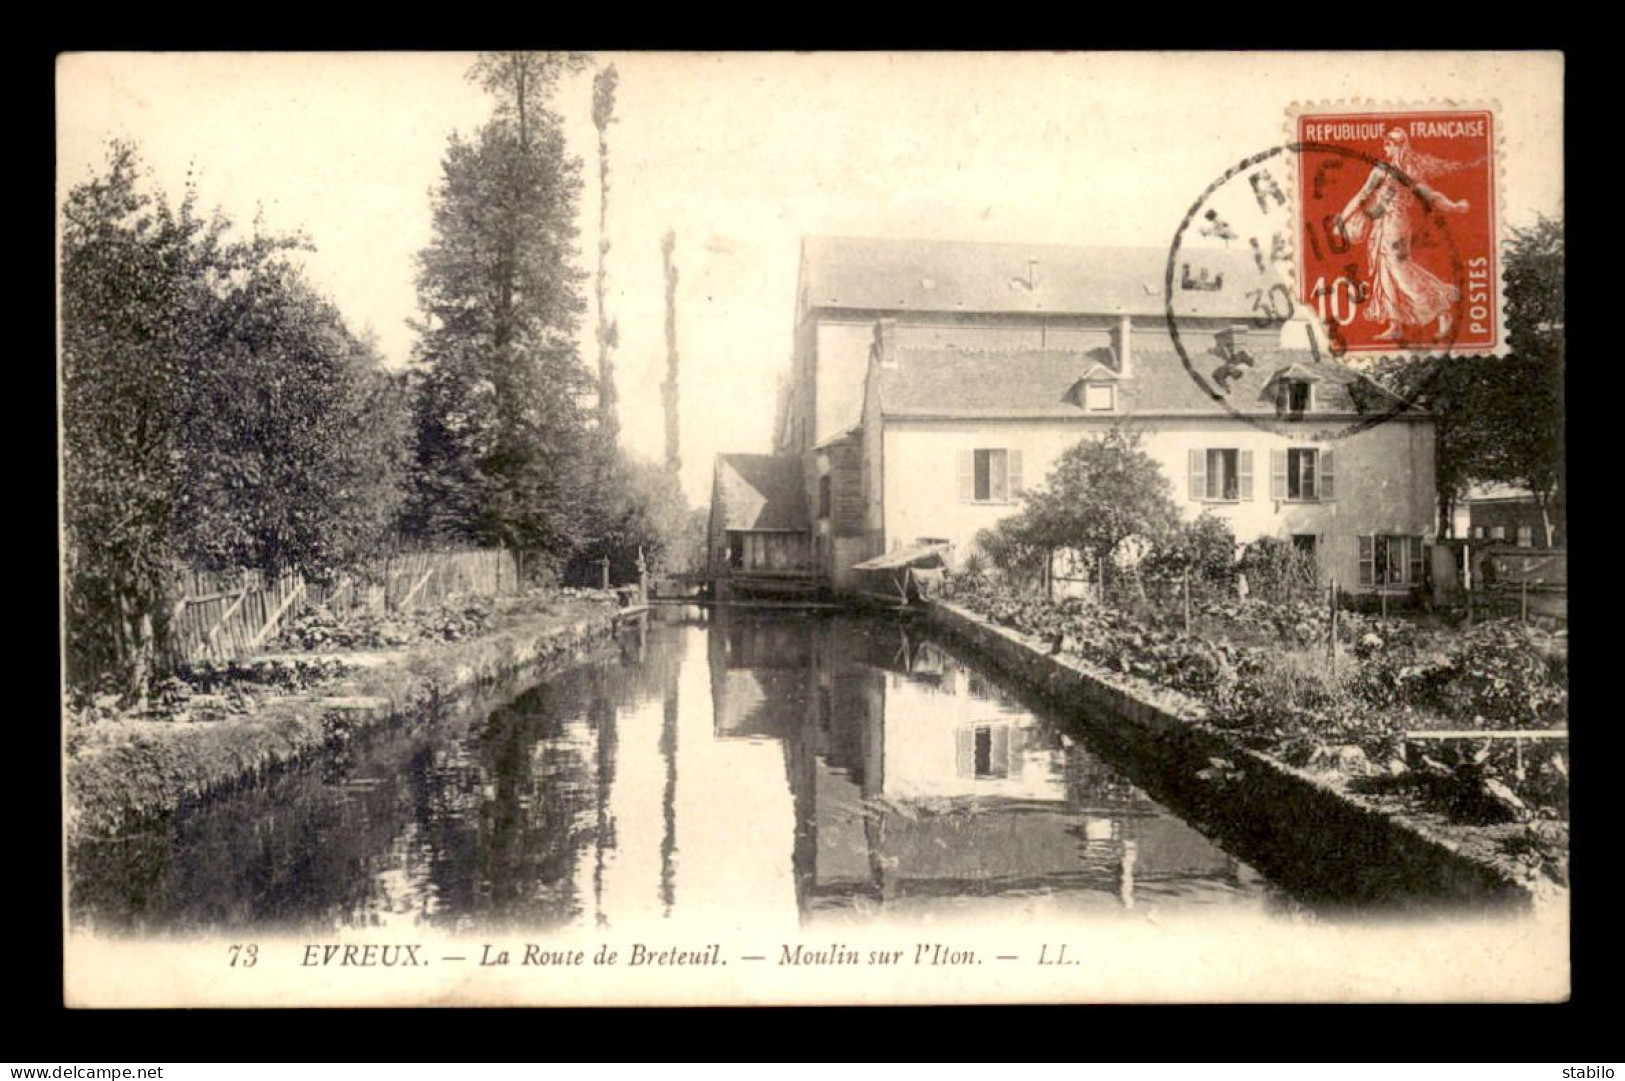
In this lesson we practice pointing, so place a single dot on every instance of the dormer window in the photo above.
(1095, 391)
(1294, 391)
(1296, 395)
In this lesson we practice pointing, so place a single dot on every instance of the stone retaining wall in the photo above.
(135, 771)
(1301, 830)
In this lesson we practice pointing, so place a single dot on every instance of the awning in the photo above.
(917, 555)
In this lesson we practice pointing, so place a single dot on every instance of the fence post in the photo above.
(1331, 638)
(1382, 595)
(1187, 600)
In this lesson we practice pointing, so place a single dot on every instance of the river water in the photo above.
(733, 765)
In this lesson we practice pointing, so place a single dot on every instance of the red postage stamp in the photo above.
(1399, 229)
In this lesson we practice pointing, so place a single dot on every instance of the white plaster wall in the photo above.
(1383, 479)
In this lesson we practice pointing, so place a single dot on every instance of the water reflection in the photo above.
(732, 765)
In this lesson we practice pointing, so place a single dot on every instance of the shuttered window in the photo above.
(983, 752)
(1221, 474)
(991, 475)
(1392, 560)
(1302, 475)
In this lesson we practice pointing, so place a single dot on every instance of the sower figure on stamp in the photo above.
(1385, 214)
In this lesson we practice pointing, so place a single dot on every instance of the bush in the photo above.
(1206, 548)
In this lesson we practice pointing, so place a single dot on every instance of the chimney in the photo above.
(1123, 346)
(884, 349)
(1234, 338)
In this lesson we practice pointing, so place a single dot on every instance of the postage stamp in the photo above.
(1398, 228)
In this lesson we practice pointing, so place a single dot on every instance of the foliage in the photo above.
(1501, 419)
(214, 409)
(502, 443)
(668, 388)
(1261, 670)
(294, 438)
(320, 629)
(1007, 547)
(1278, 569)
(132, 271)
(1205, 547)
(1100, 492)
(603, 115)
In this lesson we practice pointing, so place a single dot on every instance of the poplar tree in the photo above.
(603, 115)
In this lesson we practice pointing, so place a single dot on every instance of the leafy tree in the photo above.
(1533, 455)
(502, 450)
(132, 269)
(1205, 547)
(603, 115)
(1501, 419)
(668, 389)
(642, 508)
(214, 410)
(294, 438)
(1100, 493)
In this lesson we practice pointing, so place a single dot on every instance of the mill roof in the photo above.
(760, 492)
(885, 274)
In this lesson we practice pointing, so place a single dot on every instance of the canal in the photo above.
(743, 766)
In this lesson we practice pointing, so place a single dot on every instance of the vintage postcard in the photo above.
(644, 528)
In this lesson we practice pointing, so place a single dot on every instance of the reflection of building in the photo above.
(914, 780)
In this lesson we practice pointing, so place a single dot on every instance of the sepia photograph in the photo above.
(679, 528)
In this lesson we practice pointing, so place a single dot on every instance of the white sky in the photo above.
(744, 154)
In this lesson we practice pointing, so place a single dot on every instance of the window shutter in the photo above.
(1326, 490)
(1016, 484)
(1367, 562)
(1018, 743)
(1277, 474)
(1198, 460)
(1417, 559)
(998, 476)
(1244, 474)
(967, 476)
(965, 752)
(999, 759)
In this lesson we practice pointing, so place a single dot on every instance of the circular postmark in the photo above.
(1268, 345)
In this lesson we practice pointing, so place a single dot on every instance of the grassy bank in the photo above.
(217, 725)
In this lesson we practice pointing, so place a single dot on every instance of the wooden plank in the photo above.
(265, 628)
(1499, 733)
(214, 631)
(414, 590)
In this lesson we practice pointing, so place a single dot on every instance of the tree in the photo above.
(502, 442)
(215, 410)
(641, 507)
(1533, 456)
(1100, 493)
(131, 273)
(293, 436)
(1501, 419)
(668, 389)
(603, 114)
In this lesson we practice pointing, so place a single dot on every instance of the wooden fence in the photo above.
(220, 614)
